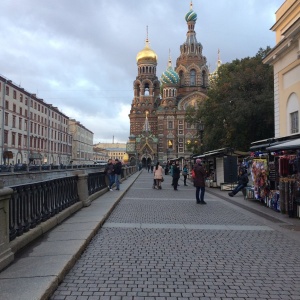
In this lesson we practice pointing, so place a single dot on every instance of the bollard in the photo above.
(6, 255)
(82, 188)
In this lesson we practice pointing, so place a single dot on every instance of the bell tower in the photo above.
(146, 91)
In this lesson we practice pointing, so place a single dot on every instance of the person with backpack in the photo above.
(242, 182)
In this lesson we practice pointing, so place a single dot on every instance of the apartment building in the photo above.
(32, 131)
(82, 143)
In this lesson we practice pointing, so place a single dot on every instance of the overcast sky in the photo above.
(80, 55)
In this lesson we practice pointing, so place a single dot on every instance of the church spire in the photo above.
(146, 126)
(219, 62)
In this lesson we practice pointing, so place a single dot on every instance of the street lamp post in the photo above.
(146, 152)
(201, 129)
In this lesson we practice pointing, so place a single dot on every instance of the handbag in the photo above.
(184, 173)
(162, 179)
(193, 174)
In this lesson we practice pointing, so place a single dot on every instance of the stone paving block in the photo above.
(162, 245)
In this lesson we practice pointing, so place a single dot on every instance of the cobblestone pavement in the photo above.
(160, 244)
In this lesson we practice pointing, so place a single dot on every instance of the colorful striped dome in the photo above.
(169, 76)
(191, 15)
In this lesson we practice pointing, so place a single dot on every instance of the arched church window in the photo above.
(181, 78)
(192, 47)
(147, 89)
(203, 78)
(193, 77)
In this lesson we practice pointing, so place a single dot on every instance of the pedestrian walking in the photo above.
(176, 175)
(171, 171)
(109, 172)
(158, 175)
(167, 169)
(117, 172)
(199, 181)
(184, 174)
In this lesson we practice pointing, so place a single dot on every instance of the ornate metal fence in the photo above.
(96, 182)
(34, 203)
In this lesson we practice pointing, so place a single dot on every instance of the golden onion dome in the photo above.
(146, 53)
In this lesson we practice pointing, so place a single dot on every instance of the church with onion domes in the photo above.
(158, 130)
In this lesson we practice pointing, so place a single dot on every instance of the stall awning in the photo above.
(8, 154)
(289, 145)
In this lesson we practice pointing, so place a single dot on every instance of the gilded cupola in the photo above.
(147, 53)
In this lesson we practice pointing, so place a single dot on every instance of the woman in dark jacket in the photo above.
(199, 181)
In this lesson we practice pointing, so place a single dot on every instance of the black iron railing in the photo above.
(34, 203)
(96, 182)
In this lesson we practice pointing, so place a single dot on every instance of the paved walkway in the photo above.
(160, 244)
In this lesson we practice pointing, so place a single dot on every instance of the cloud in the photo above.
(80, 55)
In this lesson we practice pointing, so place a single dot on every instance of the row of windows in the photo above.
(35, 128)
(170, 125)
(193, 78)
(34, 104)
(33, 116)
(36, 143)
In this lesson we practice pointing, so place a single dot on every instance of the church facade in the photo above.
(158, 130)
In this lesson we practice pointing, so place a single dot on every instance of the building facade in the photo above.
(285, 59)
(82, 143)
(32, 131)
(113, 150)
(158, 130)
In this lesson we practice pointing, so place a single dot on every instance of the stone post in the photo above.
(6, 255)
(82, 188)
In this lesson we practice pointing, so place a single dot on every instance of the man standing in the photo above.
(199, 181)
(176, 175)
(117, 171)
(109, 171)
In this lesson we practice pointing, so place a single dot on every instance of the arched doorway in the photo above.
(146, 160)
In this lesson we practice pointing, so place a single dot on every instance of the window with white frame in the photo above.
(294, 122)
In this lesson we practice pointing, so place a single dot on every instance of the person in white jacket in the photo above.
(158, 175)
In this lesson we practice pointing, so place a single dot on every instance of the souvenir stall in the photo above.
(286, 164)
(259, 174)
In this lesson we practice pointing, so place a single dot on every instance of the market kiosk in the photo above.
(275, 170)
(222, 167)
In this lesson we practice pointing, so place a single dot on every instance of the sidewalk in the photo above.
(38, 271)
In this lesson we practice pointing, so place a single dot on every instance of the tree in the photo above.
(240, 105)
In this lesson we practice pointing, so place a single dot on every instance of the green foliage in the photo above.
(240, 105)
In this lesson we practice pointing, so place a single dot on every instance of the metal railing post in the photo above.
(6, 255)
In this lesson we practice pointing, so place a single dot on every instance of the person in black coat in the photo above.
(242, 182)
(176, 175)
(199, 181)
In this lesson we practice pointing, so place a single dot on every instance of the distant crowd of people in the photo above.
(173, 168)
(197, 172)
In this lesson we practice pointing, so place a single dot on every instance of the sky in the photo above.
(80, 55)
